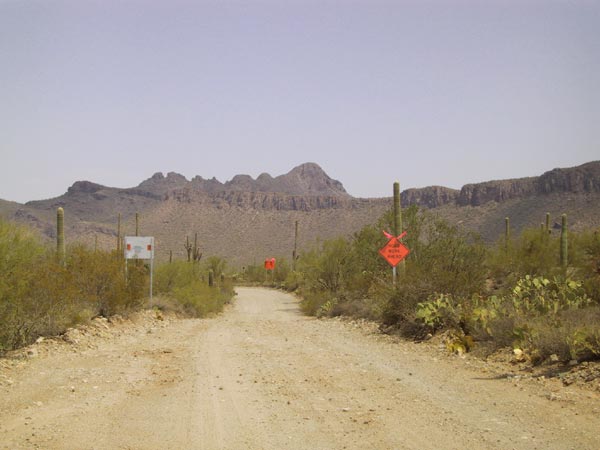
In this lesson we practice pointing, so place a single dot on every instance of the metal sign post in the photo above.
(270, 266)
(140, 247)
(394, 251)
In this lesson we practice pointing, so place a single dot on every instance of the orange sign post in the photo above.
(394, 252)
(270, 266)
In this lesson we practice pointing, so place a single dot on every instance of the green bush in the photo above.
(541, 316)
(512, 294)
(322, 275)
(101, 283)
(585, 255)
(447, 261)
(187, 284)
(348, 276)
(39, 296)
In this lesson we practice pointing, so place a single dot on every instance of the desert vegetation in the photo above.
(195, 289)
(527, 292)
(46, 289)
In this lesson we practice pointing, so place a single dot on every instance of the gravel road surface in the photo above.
(263, 376)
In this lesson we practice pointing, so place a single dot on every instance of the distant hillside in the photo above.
(8, 208)
(247, 219)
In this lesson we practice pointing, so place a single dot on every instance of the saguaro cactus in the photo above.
(563, 242)
(506, 233)
(188, 248)
(60, 235)
(295, 252)
(196, 254)
(211, 278)
(547, 223)
(119, 233)
(543, 233)
(398, 219)
(137, 224)
(193, 252)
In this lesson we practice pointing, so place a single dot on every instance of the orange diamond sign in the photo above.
(394, 251)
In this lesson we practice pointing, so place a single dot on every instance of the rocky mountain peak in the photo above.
(307, 179)
(310, 178)
(84, 186)
(158, 184)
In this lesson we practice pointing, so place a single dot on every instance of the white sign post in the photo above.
(140, 247)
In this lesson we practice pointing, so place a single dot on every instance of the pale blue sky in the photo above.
(423, 92)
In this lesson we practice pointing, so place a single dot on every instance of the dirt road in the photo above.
(262, 376)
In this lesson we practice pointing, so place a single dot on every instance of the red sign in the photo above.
(270, 264)
(394, 251)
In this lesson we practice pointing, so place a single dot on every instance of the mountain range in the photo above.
(246, 219)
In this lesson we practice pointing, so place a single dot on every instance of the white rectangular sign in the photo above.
(139, 247)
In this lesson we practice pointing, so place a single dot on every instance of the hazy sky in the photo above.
(424, 92)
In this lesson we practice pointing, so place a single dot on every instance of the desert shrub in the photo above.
(187, 284)
(584, 336)
(200, 300)
(535, 253)
(172, 275)
(512, 294)
(324, 269)
(36, 296)
(348, 276)
(363, 266)
(103, 283)
(544, 317)
(282, 271)
(322, 274)
(585, 255)
(449, 261)
(316, 303)
(217, 265)
(293, 280)
(576, 335)
(252, 274)
(39, 296)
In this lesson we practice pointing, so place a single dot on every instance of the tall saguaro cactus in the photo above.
(295, 252)
(60, 235)
(398, 222)
(193, 252)
(563, 242)
(543, 233)
(196, 254)
(119, 233)
(506, 233)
